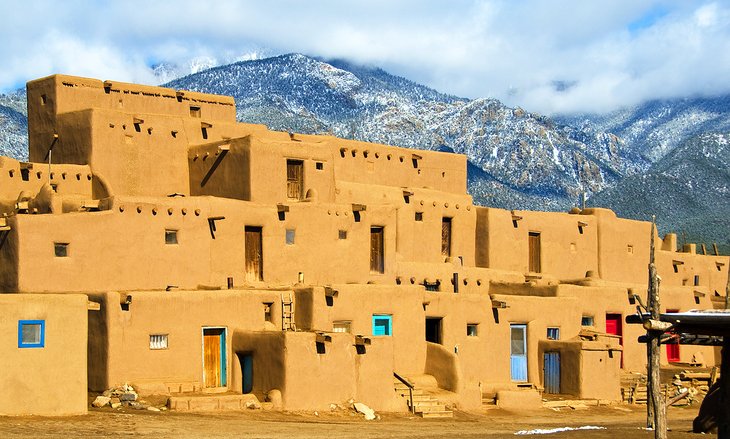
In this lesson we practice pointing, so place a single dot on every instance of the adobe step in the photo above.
(443, 414)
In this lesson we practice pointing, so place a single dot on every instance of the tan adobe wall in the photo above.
(124, 354)
(8, 256)
(67, 179)
(133, 233)
(32, 378)
(568, 243)
(58, 94)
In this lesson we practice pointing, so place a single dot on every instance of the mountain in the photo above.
(653, 129)
(14, 125)
(519, 159)
(652, 158)
(688, 190)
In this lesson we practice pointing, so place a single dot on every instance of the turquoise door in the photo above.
(247, 372)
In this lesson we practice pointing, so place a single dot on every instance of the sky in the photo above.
(549, 56)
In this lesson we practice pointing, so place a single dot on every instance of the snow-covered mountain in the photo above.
(520, 159)
(632, 160)
(14, 125)
(688, 190)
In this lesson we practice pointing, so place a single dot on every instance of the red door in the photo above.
(672, 349)
(614, 327)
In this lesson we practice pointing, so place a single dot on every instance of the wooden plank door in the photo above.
(377, 247)
(552, 372)
(214, 357)
(534, 252)
(294, 179)
(446, 236)
(254, 254)
(614, 327)
(518, 352)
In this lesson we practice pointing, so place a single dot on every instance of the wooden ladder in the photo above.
(287, 312)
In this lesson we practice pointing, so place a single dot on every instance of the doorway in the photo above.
(518, 352)
(614, 327)
(673, 348)
(551, 368)
(534, 265)
(446, 236)
(246, 360)
(214, 357)
(254, 254)
(295, 179)
(433, 330)
(377, 250)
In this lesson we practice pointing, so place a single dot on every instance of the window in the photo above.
(419, 216)
(170, 236)
(342, 234)
(586, 321)
(31, 333)
(194, 111)
(60, 249)
(204, 132)
(382, 324)
(697, 280)
(319, 166)
(158, 341)
(554, 333)
(342, 326)
(472, 329)
(432, 286)
(630, 249)
(267, 311)
(377, 257)
(446, 236)
(290, 236)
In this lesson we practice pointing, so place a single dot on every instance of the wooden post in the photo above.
(723, 424)
(654, 382)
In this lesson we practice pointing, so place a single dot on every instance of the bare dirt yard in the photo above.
(623, 421)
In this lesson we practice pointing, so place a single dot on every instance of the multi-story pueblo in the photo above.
(152, 240)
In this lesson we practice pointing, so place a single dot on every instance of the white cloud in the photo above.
(610, 53)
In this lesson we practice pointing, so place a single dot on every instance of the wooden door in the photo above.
(614, 327)
(294, 179)
(534, 252)
(518, 352)
(214, 357)
(254, 254)
(446, 236)
(377, 247)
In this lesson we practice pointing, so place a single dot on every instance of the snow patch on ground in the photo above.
(557, 430)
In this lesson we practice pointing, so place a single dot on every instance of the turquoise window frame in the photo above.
(41, 343)
(383, 324)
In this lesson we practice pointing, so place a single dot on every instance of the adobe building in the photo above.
(307, 270)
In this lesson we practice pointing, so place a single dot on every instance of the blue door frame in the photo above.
(518, 352)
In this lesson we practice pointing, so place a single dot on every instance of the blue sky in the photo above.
(551, 56)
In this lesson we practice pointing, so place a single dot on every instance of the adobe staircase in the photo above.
(424, 405)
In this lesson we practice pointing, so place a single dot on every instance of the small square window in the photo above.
(170, 237)
(194, 111)
(342, 326)
(419, 216)
(319, 166)
(158, 341)
(586, 321)
(60, 249)
(382, 324)
(342, 234)
(554, 333)
(472, 329)
(630, 249)
(290, 236)
(31, 333)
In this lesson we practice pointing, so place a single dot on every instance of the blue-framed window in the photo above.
(382, 324)
(31, 333)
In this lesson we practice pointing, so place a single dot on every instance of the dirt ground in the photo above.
(622, 421)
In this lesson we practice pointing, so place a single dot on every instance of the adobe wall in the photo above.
(9, 257)
(54, 95)
(48, 380)
(567, 242)
(120, 350)
(133, 233)
(67, 179)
